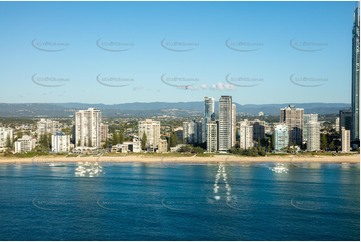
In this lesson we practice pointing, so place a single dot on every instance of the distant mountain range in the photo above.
(153, 109)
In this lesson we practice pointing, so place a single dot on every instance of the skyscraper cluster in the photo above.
(219, 135)
(300, 128)
(349, 120)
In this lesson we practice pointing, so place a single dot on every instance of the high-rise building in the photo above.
(60, 142)
(87, 128)
(345, 119)
(355, 92)
(345, 140)
(234, 124)
(212, 137)
(259, 129)
(104, 132)
(47, 126)
(281, 139)
(225, 123)
(190, 132)
(6, 137)
(209, 115)
(313, 135)
(200, 132)
(293, 118)
(151, 129)
(308, 118)
(245, 135)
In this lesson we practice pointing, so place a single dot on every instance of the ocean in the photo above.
(167, 201)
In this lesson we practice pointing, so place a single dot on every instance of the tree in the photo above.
(49, 141)
(8, 142)
(197, 150)
(121, 137)
(173, 140)
(43, 141)
(90, 142)
(144, 141)
(185, 149)
(19, 134)
(260, 150)
(106, 144)
(323, 142)
(115, 138)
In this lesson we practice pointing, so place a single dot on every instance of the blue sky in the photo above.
(118, 52)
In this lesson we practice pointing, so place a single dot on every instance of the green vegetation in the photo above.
(254, 151)
(144, 141)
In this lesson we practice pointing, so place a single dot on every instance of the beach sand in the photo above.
(354, 158)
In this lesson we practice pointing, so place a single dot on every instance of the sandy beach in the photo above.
(354, 158)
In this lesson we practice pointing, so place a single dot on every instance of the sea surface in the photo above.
(167, 201)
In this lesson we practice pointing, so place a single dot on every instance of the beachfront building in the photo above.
(313, 135)
(245, 135)
(281, 139)
(87, 128)
(308, 118)
(212, 143)
(24, 144)
(60, 142)
(345, 140)
(6, 137)
(293, 118)
(225, 124)
(128, 146)
(162, 146)
(151, 129)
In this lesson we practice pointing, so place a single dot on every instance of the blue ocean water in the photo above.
(166, 201)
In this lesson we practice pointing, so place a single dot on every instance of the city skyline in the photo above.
(174, 52)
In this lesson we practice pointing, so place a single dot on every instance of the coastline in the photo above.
(354, 158)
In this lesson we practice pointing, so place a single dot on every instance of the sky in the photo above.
(120, 52)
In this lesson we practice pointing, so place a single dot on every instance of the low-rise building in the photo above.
(24, 144)
(162, 146)
(129, 146)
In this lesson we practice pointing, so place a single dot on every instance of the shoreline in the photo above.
(355, 158)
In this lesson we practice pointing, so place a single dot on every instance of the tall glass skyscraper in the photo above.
(355, 76)
(209, 113)
(209, 116)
